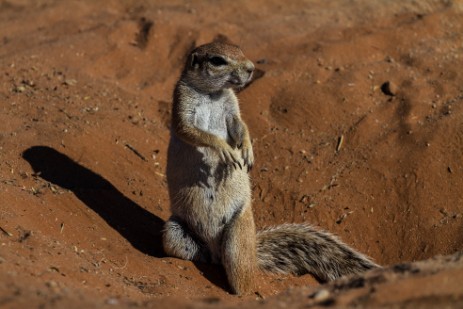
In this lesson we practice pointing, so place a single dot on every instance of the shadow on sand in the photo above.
(140, 227)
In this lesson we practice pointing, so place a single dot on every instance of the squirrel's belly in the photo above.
(199, 182)
(188, 165)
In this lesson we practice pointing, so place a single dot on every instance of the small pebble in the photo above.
(134, 119)
(19, 89)
(70, 82)
(321, 295)
(112, 301)
(28, 83)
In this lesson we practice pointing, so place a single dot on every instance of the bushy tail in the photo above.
(300, 249)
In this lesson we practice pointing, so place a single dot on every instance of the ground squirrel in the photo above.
(209, 156)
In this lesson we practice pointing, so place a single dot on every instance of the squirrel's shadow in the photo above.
(215, 274)
(140, 227)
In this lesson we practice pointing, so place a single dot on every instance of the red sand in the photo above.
(85, 97)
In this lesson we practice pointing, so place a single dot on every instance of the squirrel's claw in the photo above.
(248, 156)
(249, 167)
(227, 156)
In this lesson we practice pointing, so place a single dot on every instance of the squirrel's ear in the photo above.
(194, 61)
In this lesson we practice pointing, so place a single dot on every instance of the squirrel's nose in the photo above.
(249, 67)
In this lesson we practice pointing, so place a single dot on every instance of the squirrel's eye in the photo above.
(217, 61)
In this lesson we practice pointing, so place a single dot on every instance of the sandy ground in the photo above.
(357, 126)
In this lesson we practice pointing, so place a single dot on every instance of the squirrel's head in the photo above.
(215, 66)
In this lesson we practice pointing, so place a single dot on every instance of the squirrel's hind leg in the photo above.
(239, 251)
(179, 242)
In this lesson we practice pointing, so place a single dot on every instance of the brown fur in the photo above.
(210, 153)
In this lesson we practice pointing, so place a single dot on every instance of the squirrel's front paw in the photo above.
(228, 156)
(248, 155)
